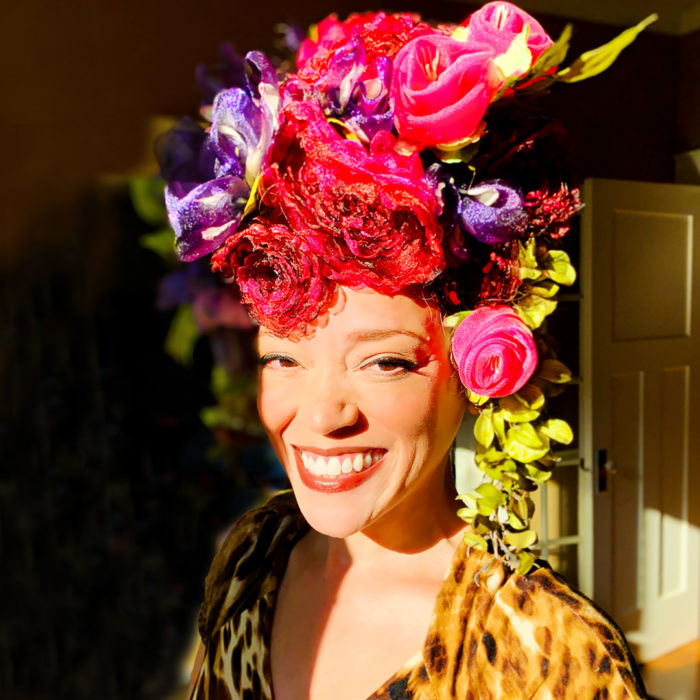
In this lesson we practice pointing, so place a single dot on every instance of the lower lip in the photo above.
(333, 484)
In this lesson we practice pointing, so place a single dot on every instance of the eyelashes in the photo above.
(392, 365)
(281, 359)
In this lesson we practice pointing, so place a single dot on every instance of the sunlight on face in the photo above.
(362, 412)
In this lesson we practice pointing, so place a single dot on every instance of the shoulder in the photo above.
(578, 646)
(529, 636)
(259, 540)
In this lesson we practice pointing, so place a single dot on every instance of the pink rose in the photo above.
(442, 88)
(498, 24)
(494, 351)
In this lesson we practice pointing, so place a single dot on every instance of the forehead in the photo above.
(366, 314)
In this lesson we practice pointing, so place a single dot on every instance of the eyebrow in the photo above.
(379, 334)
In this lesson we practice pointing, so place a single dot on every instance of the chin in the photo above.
(338, 505)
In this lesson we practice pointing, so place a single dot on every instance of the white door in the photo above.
(640, 406)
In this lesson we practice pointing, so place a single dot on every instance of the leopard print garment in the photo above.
(494, 634)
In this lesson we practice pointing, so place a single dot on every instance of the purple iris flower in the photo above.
(493, 212)
(357, 92)
(214, 304)
(228, 72)
(244, 120)
(210, 174)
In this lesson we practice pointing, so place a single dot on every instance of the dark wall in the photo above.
(107, 506)
(81, 81)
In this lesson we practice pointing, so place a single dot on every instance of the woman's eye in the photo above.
(391, 365)
(277, 361)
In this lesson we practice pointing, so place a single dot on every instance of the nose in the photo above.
(328, 407)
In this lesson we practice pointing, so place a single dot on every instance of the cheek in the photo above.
(425, 413)
(274, 406)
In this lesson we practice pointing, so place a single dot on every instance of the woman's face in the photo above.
(363, 411)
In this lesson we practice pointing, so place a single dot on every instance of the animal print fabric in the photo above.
(494, 635)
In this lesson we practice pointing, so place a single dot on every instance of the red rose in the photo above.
(499, 24)
(442, 88)
(371, 216)
(381, 34)
(281, 280)
(494, 351)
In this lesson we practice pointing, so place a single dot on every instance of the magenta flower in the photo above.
(442, 88)
(499, 24)
(494, 351)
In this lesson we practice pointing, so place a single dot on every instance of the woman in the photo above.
(388, 214)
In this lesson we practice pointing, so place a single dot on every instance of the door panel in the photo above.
(641, 363)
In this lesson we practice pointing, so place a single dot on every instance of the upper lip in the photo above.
(335, 451)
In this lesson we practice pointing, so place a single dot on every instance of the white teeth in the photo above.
(333, 466)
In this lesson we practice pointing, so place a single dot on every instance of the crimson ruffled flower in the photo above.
(501, 275)
(550, 213)
(381, 34)
(281, 280)
(371, 216)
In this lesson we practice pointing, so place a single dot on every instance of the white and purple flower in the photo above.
(210, 173)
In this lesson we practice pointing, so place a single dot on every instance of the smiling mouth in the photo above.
(336, 472)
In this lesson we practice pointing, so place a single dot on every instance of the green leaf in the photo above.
(475, 541)
(489, 498)
(493, 472)
(499, 426)
(526, 254)
(597, 60)
(483, 429)
(545, 288)
(523, 508)
(517, 411)
(492, 455)
(520, 540)
(533, 309)
(554, 371)
(467, 514)
(539, 476)
(516, 522)
(527, 559)
(182, 335)
(148, 199)
(558, 430)
(524, 444)
(161, 242)
(532, 396)
(559, 268)
(554, 55)
(476, 399)
(454, 320)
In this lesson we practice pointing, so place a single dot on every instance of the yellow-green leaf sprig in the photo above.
(514, 435)
(514, 452)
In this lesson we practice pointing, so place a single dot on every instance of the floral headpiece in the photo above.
(403, 154)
